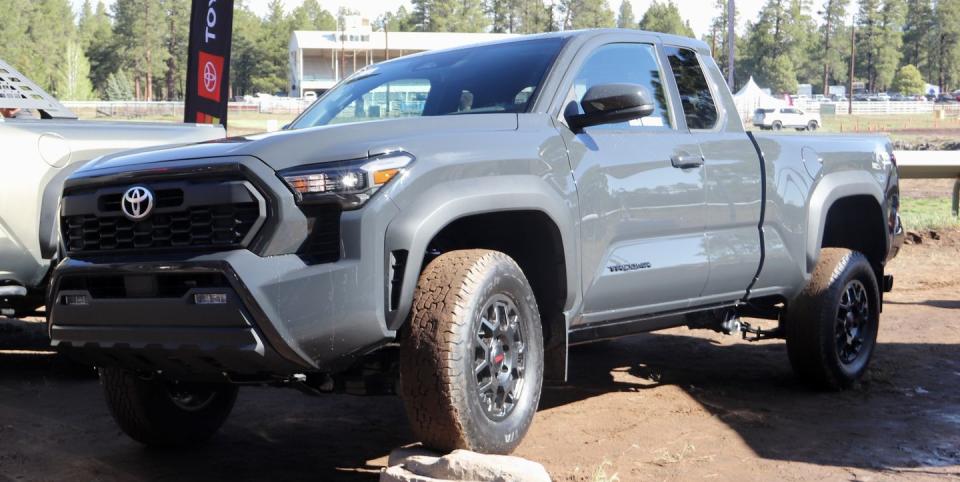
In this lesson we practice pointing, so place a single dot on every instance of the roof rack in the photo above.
(19, 92)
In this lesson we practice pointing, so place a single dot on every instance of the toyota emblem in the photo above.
(137, 203)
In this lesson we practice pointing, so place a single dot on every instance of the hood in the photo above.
(285, 149)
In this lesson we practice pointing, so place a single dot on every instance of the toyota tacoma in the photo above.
(455, 220)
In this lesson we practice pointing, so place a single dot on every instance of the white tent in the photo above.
(751, 97)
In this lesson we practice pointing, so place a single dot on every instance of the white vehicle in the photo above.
(778, 118)
(310, 95)
(38, 155)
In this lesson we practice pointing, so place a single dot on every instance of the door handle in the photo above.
(686, 161)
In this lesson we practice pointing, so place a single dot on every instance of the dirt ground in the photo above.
(674, 405)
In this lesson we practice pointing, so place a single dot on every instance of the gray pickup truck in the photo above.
(460, 218)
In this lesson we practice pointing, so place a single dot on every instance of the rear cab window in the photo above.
(699, 107)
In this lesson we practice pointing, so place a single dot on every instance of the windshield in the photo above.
(500, 78)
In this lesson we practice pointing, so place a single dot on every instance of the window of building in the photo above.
(403, 98)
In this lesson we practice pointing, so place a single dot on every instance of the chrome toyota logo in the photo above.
(137, 203)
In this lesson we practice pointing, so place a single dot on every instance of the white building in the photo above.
(320, 59)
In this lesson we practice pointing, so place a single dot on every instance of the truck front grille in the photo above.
(203, 216)
(198, 227)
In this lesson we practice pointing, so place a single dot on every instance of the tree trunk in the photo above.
(149, 87)
(171, 79)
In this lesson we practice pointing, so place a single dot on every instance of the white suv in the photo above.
(790, 117)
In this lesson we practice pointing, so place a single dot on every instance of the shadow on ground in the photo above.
(906, 414)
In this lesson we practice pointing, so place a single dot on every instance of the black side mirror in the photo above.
(612, 103)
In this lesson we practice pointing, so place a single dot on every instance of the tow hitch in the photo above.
(747, 331)
(734, 325)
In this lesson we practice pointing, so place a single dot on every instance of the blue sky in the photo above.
(699, 12)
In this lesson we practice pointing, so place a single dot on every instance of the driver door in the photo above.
(642, 217)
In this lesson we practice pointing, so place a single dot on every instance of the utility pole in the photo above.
(853, 62)
(826, 51)
(731, 41)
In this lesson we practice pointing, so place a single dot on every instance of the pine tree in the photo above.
(73, 82)
(35, 36)
(273, 43)
(918, 36)
(533, 16)
(449, 15)
(96, 39)
(947, 44)
(13, 31)
(501, 13)
(176, 39)
(879, 41)
(665, 17)
(909, 81)
(247, 53)
(139, 33)
(118, 86)
(626, 19)
(580, 14)
(718, 37)
(777, 45)
(399, 21)
(827, 52)
(311, 16)
(890, 52)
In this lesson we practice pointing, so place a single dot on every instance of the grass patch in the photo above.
(887, 123)
(931, 213)
(600, 475)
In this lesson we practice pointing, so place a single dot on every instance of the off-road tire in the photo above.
(438, 380)
(812, 126)
(777, 125)
(812, 322)
(146, 412)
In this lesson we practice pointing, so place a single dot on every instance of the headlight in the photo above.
(350, 183)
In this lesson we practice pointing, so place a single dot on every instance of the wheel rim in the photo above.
(499, 357)
(853, 322)
(190, 400)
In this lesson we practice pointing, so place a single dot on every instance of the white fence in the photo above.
(879, 108)
(131, 109)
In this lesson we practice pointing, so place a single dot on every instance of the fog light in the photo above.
(75, 300)
(210, 298)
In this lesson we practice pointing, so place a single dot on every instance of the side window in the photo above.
(624, 63)
(698, 106)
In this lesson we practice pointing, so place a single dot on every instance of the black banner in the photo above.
(208, 65)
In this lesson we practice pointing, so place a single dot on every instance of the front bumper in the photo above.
(282, 313)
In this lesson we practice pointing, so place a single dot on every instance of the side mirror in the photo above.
(612, 103)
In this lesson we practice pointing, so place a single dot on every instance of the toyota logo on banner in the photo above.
(208, 82)
(210, 76)
(137, 203)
